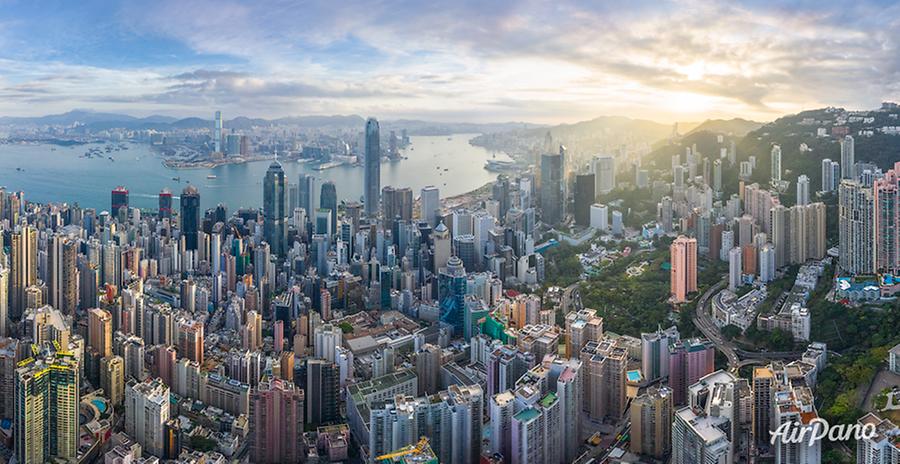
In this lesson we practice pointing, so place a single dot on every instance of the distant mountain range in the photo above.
(737, 127)
(97, 121)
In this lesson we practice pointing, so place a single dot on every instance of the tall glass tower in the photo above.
(328, 200)
(373, 167)
(190, 216)
(274, 209)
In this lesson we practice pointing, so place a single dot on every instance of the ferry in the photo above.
(211, 176)
(498, 165)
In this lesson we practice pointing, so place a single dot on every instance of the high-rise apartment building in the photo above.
(146, 412)
(651, 422)
(856, 228)
(887, 221)
(848, 158)
(46, 408)
(276, 422)
(683, 276)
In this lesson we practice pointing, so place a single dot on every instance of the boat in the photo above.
(211, 176)
(176, 179)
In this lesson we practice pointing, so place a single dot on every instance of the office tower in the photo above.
(430, 204)
(46, 408)
(655, 352)
(600, 217)
(651, 422)
(683, 276)
(307, 192)
(119, 199)
(100, 331)
(604, 365)
(190, 216)
(146, 411)
(274, 210)
(112, 378)
(604, 168)
(584, 198)
(780, 231)
(276, 422)
(551, 189)
(803, 190)
(452, 294)
(734, 268)
(465, 248)
(62, 275)
(856, 228)
(217, 133)
(848, 158)
(689, 360)
(23, 270)
(887, 221)
(323, 390)
(442, 247)
(776, 164)
(328, 200)
(428, 368)
(618, 226)
(165, 204)
(372, 179)
(396, 205)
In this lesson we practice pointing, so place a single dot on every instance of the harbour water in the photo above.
(60, 174)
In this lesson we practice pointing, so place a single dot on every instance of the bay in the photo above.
(59, 174)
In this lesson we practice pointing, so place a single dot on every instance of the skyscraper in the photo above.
(328, 200)
(276, 422)
(217, 133)
(551, 188)
(803, 190)
(452, 294)
(848, 158)
(396, 205)
(430, 204)
(274, 209)
(776, 164)
(119, 199)
(62, 275)
(584, 198)
(307, 192)
(887, 221)
(856, 228)
(100, 331)
(165, 204)
(23, 270)
(604, 168)
(46, 408)
(831, 175)
(734, 268)
(683, 276)
(428, 368)
(190, 216)
(372, 179)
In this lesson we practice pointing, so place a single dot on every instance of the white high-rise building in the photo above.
(776, 164)
(734, 268)
(767, 263)
(146, 412)
(604, 174)
(848, 158)
(831, 175)
(796, 407)
(655, 352)
(883, 447)
(803, 190)
(727, 244)
(600, 217)
(618, 227)
(327, 338)
(856, 228)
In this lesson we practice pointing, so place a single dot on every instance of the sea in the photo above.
(49, 173)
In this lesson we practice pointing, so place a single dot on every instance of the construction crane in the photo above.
(406, 451)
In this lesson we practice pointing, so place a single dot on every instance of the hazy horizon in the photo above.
(465, 61)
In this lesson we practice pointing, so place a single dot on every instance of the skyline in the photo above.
(465, 62)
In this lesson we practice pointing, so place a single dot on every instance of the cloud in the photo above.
(549, 61)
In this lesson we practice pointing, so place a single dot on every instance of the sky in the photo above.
(451, 60)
